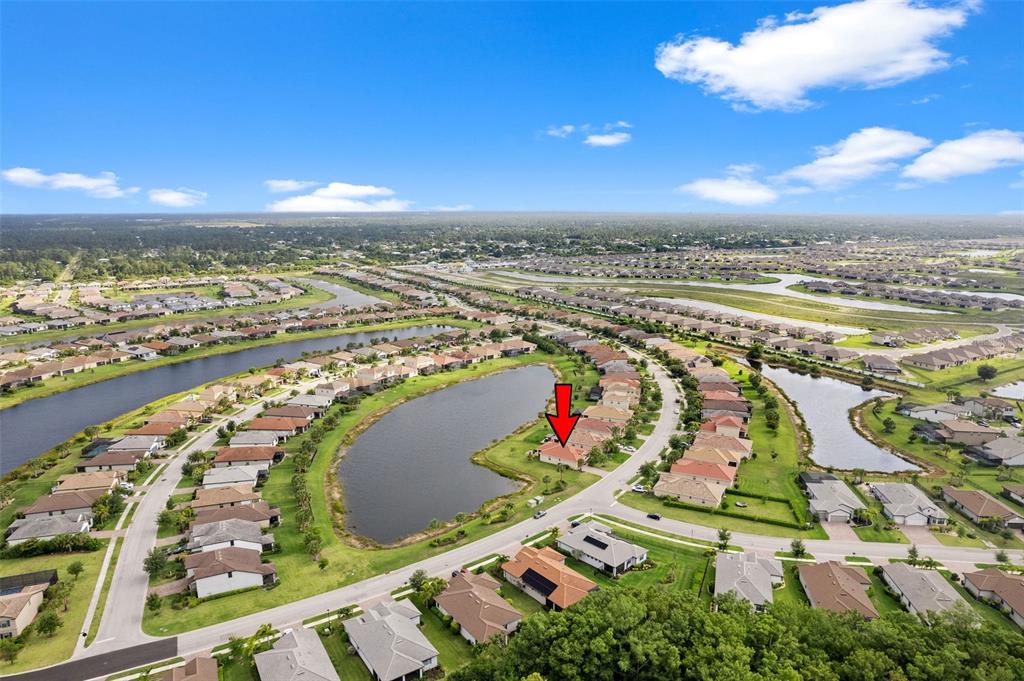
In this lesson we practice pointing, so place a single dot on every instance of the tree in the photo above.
(417, 578)
(322, 564)
(888, 425)
(430, 589)
(797, 548)
(76, 568)
(649, 471)
(9, 649)
(1002, 557)
(987, 372)
(912, 554)
(724, 536)
(61, 591)
(771, 419)
(154, 602)
(155, 562)
(48, 623)
(243, 649)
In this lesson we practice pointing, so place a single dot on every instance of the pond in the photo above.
(825, 404)
(414, 464)
(33, 427)
(1010, 391)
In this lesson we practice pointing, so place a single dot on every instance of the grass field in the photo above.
(41, 650)
(299, 574)
(94, 626)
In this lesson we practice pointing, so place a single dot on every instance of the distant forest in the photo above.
(126, 246)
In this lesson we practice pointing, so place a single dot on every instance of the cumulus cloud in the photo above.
(607, 135)
(611, 139)
(976, 153)
(341, 197)
(102, 186)
(281, 186)
(182, 197)
(861, 155)
(561, 131)
(737, 190)
(870, 44)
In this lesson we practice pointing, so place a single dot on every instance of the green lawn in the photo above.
(986, 612)
(649, 504)
(40, 650)
(94, 626)
(519, 600)
(349, 667)
(871, 533)
(299, 574)
(884, 601)
(791, 591)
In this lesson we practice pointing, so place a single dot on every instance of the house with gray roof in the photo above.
(245, 477)
(48, 527)
(596, 545)
(833, 500)
(389, 642)
(905, 504)
(921, 591)
(299, 655)
(1003, 451)
(748, 576)
(220, 534)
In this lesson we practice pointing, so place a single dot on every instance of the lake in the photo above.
(825, 404)
(33, 427)
(414, 464)
(1010, 391)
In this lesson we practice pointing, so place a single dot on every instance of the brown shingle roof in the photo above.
(837, 587)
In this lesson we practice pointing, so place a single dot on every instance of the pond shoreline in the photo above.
(334, 488)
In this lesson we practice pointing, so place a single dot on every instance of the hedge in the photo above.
(733, 514)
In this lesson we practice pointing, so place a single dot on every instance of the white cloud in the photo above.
(970, 155)
(279, 186)
(182, 197)
(863, 154)
(561, 131)
(341, 197)
(871, 44)
(926, 99)
(457, 208)
(740, 191)
(102, 186)
(611, 139)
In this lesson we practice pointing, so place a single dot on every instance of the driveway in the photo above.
(921, 536)
(840, 531)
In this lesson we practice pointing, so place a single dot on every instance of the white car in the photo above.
(639, 488)
(629, 449)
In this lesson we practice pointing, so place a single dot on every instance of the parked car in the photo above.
(639, 488)
(741, 504)
(654, 516)
(540, 514)
(576, 523)
(629, 449)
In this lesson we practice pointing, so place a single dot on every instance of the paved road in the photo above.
(101, 666)
(121, 625)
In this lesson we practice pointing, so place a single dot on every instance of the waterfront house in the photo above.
(966, 432)
(905, 504)
(543, 576)
(472, 600)
(939, 413)
(554, 453)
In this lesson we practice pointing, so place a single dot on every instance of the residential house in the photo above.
(554, 453)
(921, 591)
(833, 501)
(254, 438)
(18, 607)
(688, 490)
(388, 640)
(222, 497)
(47, 527)
(110, 461)
(202, 668)
(837, 587)
(711, 473)
(939, 413)
(543, 575)
(996, 586)
(881, 365)
(990, 407)
(1003, 451)
(595, 544)
(259, 512)
(74, 503)
(260, 457)
(905, 504)
(982, 508)
(220, 534)
(967, 432)
(473, 601)
(747, 576)
(105, 481)
(239, 477)
(216, 572)
(299, 655)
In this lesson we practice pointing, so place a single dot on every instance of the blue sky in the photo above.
(194, 107)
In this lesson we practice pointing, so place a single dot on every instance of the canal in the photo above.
(414, 464)
(825, 403)
(33, 427)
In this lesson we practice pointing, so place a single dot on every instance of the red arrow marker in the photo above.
(562, 422)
